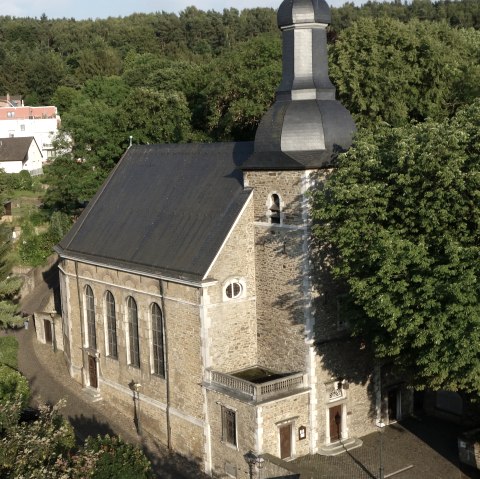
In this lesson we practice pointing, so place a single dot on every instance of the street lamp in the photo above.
(253, 460)
(136, 395)
(381, 427)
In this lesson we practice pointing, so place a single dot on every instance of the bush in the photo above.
(8, 351)
(13, 385)
(117, 459)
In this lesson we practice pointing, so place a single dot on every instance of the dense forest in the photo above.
(210, 76)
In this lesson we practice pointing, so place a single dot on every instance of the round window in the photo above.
(234, 290)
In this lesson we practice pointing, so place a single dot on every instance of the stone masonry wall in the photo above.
(226, 456)
(180, 306)
(280, 255)
(232, 321)
(292, 410)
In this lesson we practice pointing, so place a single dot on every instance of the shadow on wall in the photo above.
(344, 357)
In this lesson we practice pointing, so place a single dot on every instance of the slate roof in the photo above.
(165, 209)
(15, 149)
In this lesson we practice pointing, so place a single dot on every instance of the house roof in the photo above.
(15, 149)
(165, 209)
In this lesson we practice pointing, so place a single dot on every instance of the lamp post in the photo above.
(253, 460)
(136, 391)
(381, 427)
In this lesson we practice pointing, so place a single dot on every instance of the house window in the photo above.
(157, 341)
(229, 426)
(233, 290)
(22, 127)
(274, 209)
(10, 114)
(134, 343)
(90, 309)
(111, 325)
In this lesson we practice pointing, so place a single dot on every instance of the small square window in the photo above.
(10, 114)
(229, 426)
(22, 127)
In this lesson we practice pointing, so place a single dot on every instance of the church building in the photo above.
(191, 299)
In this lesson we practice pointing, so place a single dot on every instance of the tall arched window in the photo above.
(90, 310)
(134, 359)
(111, 325)
(275, 209)
(158, 340)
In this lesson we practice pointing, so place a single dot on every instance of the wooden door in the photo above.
(286, 441)
(92, 372)
(47, 325)
(335, 423)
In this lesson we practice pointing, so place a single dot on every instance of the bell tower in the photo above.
(296, 143)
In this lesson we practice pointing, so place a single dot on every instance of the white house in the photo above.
(18, 154)
(41, 122)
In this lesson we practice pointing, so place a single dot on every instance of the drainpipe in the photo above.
(167, 371)
(80, 307)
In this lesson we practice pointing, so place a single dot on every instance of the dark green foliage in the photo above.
(8, 351)
(117, 459)
(45, 448)
(13, 386)
(36, 247)
(401, 217)
(388, 71)
(9, 285)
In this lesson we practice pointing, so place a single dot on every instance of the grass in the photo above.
(8, 351)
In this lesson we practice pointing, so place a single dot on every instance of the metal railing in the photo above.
(259, 391)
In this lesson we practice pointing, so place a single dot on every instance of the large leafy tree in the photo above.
(389, 71)
(399, 221)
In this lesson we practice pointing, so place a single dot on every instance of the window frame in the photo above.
(133, 333)
(230, 283)
(158, 340)
(111, 325)
(90, 317)
(275, 208)
(229, 426)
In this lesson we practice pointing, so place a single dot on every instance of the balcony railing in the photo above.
(263, 390)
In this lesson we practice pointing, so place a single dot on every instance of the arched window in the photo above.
(111, 325)
(275, 209)
(90, 310)
(134, 343)
(158, 340)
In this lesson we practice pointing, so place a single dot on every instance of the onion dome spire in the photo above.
(305, 127)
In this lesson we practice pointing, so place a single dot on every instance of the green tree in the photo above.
(388, 71)
(399, 221)
(9, 285)
(155, 116)
(238, 87)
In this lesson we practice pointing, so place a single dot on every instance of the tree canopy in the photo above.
(399, 221)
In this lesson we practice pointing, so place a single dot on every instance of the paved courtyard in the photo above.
(419, 448)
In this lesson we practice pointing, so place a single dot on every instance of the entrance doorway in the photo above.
(47, 326)
(285, 441)
(393, 399)
(92, 372)
(335, 416)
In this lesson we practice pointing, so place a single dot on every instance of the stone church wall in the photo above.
(232, 322)
(180, 306)
(279, 261)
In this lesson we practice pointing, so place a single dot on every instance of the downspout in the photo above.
(167, 372)
(80, 307)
